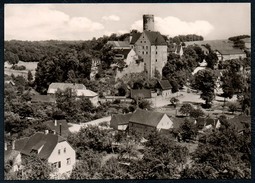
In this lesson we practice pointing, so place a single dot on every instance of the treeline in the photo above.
(185, 38)
(238, 42)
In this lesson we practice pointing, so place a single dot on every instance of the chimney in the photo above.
(5, 146)
(46, 132)
(60, 125)
(55, 122)
(130, 36)
(13, 144)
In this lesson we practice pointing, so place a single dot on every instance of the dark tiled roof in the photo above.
(135, 37)
(123, 52)
(144, 93)
(148, 118)
(64, 127)
(47, 141)
(165, 85)
(155, 38)
(121, 119)
(20, 143)
(209, 121)
(43, 98)
(200, 123)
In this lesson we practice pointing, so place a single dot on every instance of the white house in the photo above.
(79, 90)
(53, 148)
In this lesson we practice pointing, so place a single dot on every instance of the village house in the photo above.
(230, 54)
(164, 88)
(79, 90)
(53, 148)
(143, 122)
(120, 121)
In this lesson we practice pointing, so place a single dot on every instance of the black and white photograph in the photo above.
(98, 91)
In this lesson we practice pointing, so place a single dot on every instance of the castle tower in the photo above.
(148, 22)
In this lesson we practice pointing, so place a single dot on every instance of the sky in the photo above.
(36, 22)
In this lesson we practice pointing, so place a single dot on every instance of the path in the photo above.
(76, 127)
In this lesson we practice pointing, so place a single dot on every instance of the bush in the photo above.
(16, 67)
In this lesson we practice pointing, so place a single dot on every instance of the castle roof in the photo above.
(155, 38)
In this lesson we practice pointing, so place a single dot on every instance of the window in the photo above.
(156, 60)
(59, 164)
(146, 47)
(143, 47)
(59, 152)
(141, 41)
(54, 165)
(68, 161)
(64, 150)
(156, 52)
(144, 41)
(143, 52)
(146, 52)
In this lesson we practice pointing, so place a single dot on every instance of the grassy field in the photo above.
(29, 66)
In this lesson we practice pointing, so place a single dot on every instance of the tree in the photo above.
(10, 57)
(35, 168)
(29, 76)
(188, 130)
(211, 58)
(186, 109)
(204, 80)
(232, 107)
(221, 155)
(196, 113)
(174, 101)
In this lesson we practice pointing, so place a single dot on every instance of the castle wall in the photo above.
(132, 68)
(158, 58)
(143, 49)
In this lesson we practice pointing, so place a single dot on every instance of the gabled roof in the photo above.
(165, 85)
(209, 121)
(121, 119)
(144, 93)
(233, 51)
(135, 37)
(20, 143)
(149, 118)
(123, 52)
(47, 143)
(43, 98)
(64, 86)
(118, 43)
(64, 127)
(155, 38)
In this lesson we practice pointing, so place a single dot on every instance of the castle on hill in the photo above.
(149, 46)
